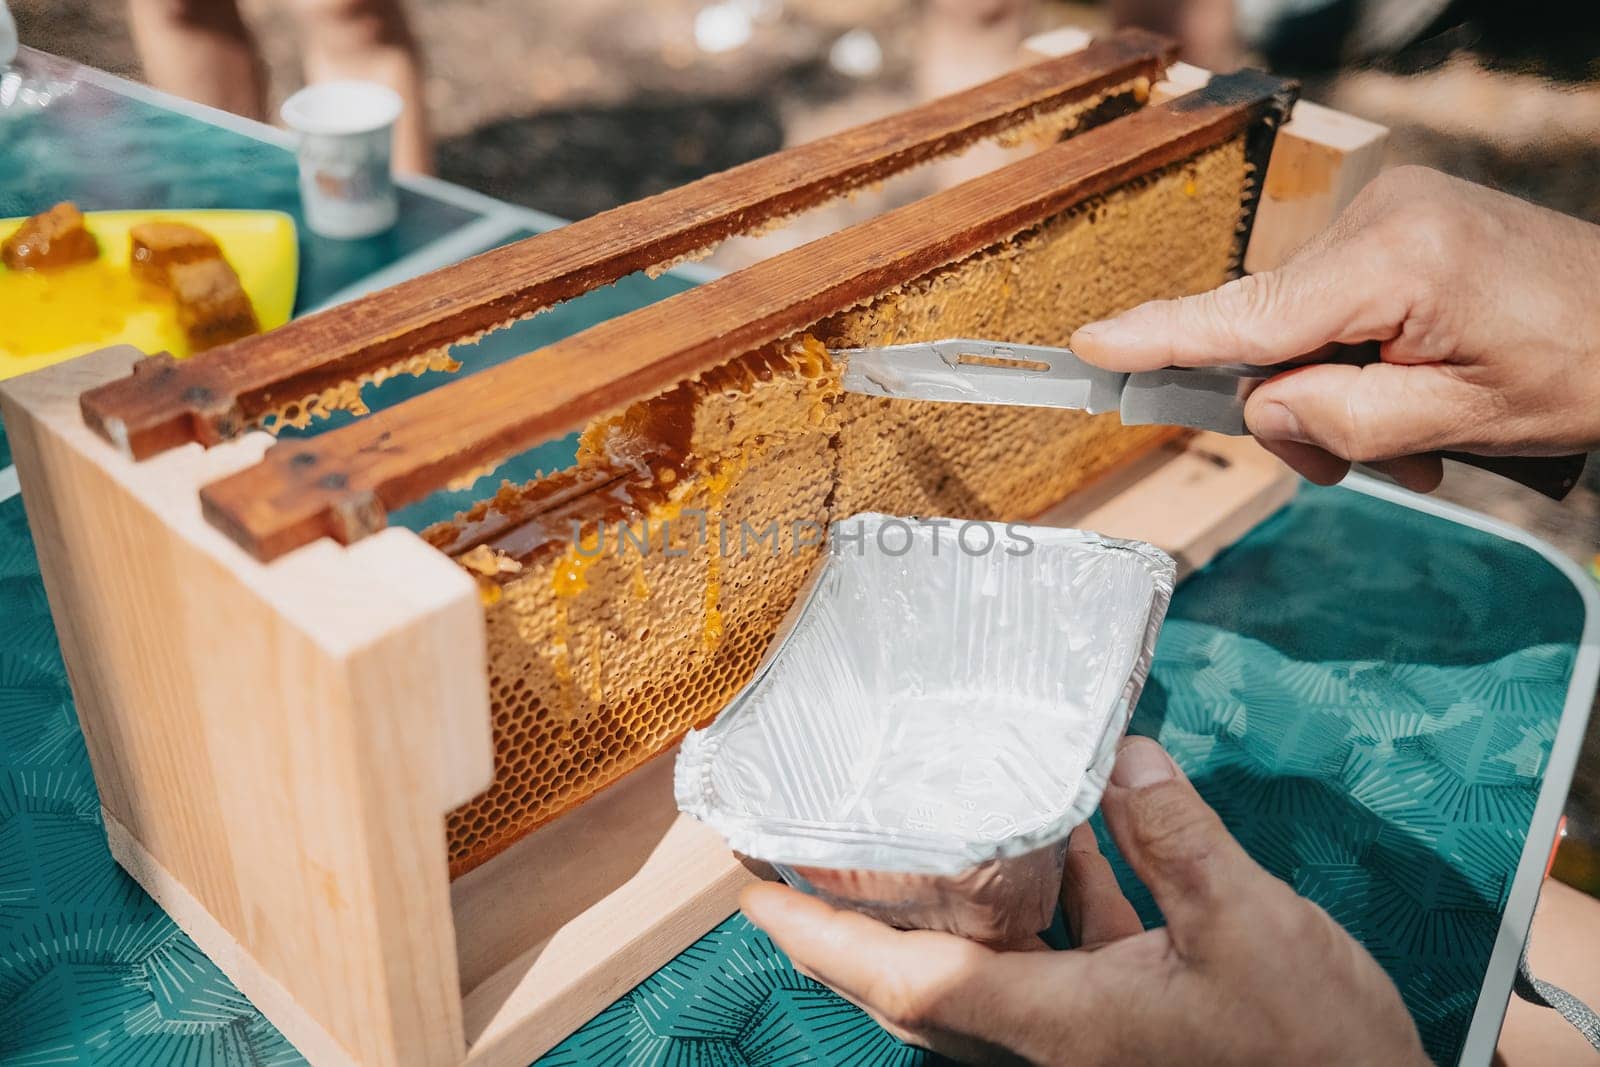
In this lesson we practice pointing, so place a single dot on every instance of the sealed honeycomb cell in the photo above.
(642, 590)
(1170, 233)
(629, 597)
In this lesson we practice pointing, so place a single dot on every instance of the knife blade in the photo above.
(972, 371)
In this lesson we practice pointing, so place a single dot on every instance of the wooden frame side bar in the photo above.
(1321, 160)
(343, 483)
(219, 394)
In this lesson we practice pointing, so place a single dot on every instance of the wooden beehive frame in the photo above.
(223, 393)
(276, 744)
(343, 483)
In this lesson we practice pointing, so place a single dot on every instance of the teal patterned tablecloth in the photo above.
(1368, 694)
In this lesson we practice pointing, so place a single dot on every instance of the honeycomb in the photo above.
(346, 395)
(603, 651)
(1164, 234)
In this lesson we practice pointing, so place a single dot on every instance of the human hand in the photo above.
(1483, 308)
(1245, 971)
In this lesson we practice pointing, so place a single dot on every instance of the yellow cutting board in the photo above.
(49, 316)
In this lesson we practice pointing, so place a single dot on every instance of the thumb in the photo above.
(1328, 295)
(1374, 412)
(1175, 843)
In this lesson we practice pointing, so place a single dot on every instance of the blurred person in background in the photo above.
(1320, 36)
(1206, 30)
(970, 41)
(965, 42)
(203, 50)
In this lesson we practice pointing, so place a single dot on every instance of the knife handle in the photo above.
(1554, 476)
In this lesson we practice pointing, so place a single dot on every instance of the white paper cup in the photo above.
(346, 132)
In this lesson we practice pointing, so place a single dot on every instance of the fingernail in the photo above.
(1141, 762)
(756, 902)
(1111, 333)
(1274, 420)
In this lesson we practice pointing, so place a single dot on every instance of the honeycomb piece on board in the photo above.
(213, 308)
(156, 246)
(50, 240)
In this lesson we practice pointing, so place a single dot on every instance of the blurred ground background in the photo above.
(576, 107)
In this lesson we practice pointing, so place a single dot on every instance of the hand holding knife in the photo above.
(972, 371)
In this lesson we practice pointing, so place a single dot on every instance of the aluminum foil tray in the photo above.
(940, 710)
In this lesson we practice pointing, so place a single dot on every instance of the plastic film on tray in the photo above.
(937, 714)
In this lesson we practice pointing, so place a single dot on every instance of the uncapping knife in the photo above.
(968, 371)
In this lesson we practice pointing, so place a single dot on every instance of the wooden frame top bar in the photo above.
(343, 483)
(218, 394)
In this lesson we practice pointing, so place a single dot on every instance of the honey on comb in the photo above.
(600, 662)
